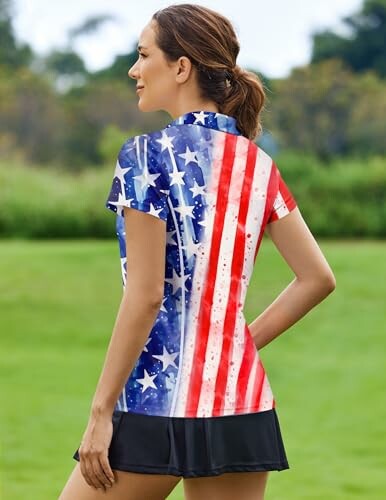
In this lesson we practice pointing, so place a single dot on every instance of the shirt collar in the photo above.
(210, 119)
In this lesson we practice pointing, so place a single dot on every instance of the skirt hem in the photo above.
(156, 469)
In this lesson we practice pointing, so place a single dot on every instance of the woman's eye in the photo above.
(141, 55)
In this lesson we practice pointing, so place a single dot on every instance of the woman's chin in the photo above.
(142, 105)
(145, 107)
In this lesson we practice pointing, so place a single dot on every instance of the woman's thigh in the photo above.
(127, 486)
(227, 486)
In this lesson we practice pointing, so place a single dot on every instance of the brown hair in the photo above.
(208, 39)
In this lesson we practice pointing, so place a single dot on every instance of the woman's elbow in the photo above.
(320, 284)
(144, 296)
(327, 283)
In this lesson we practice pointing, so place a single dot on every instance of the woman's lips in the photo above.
(139, 88)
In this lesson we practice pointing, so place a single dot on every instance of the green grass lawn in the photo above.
(58, 301)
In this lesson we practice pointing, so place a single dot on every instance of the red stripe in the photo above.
(258, 387)
(283, 189)
(271, 195)
(235, 284)
(203, 324)
(285, 193)
(245, 369)
(289, 200)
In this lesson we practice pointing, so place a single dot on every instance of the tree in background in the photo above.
(312, 108)
(328, 110)
(12, 54)
(364, 48)
(65, 67)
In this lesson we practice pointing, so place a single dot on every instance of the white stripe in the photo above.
(279, 206)
(124, 398)
(266, 399)
(251, 383)
(198, 284)
(236, 358)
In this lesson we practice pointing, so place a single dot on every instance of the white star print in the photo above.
(120, 172)
(124, 201)
(185, 210)
(147, 381)
(163, 308)
(166, 358)
(176, 177)
(154, 211)
(123, 269)
(169, 237)
(175, 280)
(189, 156)
(165, 141)
(197, 189)
(200, 117)
(191, 248)
(146, 178)
(147, 341)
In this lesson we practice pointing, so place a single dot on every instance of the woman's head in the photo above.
(191, 57)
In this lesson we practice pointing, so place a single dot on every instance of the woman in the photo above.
(183, 393)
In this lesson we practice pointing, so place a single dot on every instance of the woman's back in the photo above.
(216, 190)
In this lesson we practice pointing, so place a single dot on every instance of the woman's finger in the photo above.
(94, 473)
(98, 472)
(88, 472)
(104, 461)
(83, 469)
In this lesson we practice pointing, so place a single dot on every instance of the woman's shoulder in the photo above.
(154, 139)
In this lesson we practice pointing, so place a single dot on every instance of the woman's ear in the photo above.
(184, 68)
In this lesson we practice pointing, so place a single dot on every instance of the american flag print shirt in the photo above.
(216, 190)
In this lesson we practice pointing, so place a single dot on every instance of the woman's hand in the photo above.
(93, 452)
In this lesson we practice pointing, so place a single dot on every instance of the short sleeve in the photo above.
(284, 201)
(139, 181)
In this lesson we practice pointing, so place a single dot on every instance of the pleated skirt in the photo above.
(196, 447)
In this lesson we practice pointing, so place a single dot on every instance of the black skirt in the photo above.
(196, 447)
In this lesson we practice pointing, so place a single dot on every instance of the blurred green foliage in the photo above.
(327, 110)
(54, 111)
(363, 48)
(341, 199)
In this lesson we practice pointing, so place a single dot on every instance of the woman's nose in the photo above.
(133, 71)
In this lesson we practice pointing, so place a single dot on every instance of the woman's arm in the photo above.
(314, 278)
(141, 301)
(139, 307)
